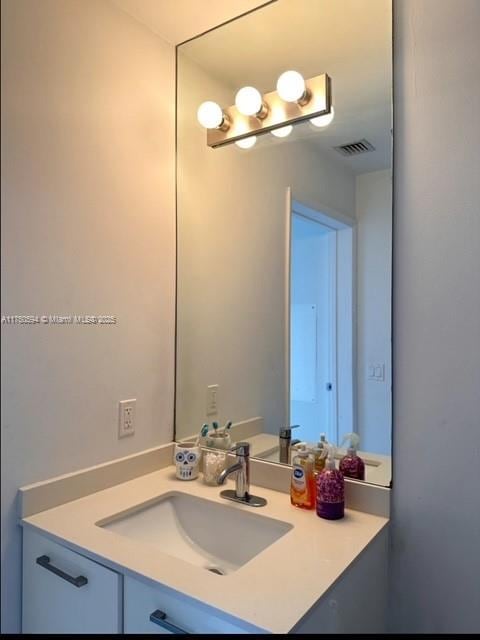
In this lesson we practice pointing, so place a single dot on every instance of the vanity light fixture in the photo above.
(253, 114)
(249, 102)
(283, 132)
(246, 143)
(323, 121)
(211, 116)
(291, 88)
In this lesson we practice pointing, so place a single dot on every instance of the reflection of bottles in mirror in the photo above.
(302, 486)
(295, 448)
(320, 454)
(351, 465)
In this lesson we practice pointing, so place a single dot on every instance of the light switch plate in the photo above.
(376, 371)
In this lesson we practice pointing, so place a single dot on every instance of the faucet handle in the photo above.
(242, 449)
(286, 432)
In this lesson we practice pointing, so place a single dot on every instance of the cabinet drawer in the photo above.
(141, 600)
(64, 592)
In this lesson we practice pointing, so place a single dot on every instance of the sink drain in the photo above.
(216, 570)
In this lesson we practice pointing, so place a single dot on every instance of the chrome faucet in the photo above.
(242, 479)
(285, 442)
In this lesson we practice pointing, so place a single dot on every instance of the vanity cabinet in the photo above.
(64, 592)
(156, 609)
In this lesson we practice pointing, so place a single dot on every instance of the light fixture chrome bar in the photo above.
(280, 113)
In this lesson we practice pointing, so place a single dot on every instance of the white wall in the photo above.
(87, 228)
(435, 577)
(179, 20)
(232, 260)
(374, 282)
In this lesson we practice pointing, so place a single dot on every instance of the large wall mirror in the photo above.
(285, 247)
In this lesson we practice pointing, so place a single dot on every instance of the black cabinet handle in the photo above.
(160, 618)
(79, 581)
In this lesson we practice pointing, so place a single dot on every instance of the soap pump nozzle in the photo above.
(323, 441)
(330, 461)
(354, 440)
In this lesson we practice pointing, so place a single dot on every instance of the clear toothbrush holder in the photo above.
(214, 462)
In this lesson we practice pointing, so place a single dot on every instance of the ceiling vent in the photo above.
(355, 148)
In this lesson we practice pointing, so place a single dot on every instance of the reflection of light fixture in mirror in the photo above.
(323, 121)
(211, 116)
(291, 88)
(253, 113)
(246, 143)
(283, 132)
(249, 102)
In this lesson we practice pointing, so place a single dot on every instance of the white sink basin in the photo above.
(218, 537)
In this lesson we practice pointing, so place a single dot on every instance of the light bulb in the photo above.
(249, 101)
(283, 132)
(210, 115)
(291, 86)
(323, 121)
(246, 143)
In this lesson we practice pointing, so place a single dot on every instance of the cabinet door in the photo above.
(64, 592)
(156, 609)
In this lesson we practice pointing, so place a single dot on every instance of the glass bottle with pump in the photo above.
(330, 502)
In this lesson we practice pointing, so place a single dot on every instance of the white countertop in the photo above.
(264, 592)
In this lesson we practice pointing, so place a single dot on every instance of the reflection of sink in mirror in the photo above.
(202, 532)
(271, 456)
(377, 467)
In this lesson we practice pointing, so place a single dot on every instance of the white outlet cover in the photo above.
(126, 418)
(212, 399)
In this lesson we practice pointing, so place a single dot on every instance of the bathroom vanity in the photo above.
(158, 555)
(283, 320)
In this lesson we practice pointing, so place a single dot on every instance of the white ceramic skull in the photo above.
(187, 461)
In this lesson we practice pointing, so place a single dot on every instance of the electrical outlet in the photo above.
(126, 418)
(212, 400)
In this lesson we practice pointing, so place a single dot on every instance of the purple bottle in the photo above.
(351, 465)
(330, 489)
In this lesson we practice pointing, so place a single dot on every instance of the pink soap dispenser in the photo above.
(330, 489)
(351, 465)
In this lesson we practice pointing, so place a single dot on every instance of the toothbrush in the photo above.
(202, 434)
(215, 425)
(227, 426)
